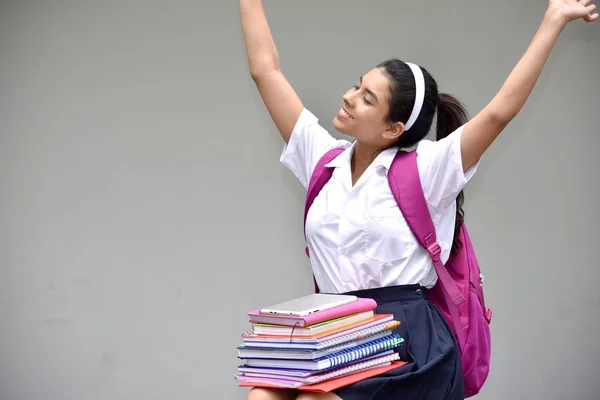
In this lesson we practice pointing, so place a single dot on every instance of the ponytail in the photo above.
(451, 115)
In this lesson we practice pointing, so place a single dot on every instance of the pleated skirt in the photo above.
(434, 369)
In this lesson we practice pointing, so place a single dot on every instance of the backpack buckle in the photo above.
(435, 251)
(488, 315)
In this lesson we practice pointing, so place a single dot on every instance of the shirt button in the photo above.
(342, 250)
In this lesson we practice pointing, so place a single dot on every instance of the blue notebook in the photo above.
(336, 359)
(305, 354)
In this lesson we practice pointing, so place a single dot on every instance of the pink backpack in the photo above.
(458, 292)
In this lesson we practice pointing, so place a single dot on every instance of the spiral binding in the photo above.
(322, 352)
(364, 350)
(359, 366)
(353, 336)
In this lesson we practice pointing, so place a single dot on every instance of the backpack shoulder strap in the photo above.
(319, 177)
(405, 183)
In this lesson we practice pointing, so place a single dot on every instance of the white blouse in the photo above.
(357, 236)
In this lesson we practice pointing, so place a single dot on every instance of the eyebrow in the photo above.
(370, 92)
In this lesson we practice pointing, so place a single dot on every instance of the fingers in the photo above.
(591, 15)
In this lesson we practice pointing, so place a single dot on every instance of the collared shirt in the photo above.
(357, 235)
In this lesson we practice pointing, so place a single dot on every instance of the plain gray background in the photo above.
(144, 210)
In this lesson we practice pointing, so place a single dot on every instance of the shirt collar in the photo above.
(343, 158)
(384, 159)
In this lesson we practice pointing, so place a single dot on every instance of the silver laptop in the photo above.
(309, 304)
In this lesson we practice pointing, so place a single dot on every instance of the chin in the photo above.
(341, 127)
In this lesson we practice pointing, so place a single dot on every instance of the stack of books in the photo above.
(321, 351)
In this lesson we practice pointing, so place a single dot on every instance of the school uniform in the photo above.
(360, 243)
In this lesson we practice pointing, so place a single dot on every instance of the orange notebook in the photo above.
(332, 384)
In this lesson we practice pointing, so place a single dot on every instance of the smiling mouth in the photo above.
(345, 113)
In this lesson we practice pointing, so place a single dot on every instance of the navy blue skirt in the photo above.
(434, 369)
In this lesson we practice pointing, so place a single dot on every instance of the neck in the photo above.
(362, 157)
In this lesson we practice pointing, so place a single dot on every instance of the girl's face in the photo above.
(364, 111)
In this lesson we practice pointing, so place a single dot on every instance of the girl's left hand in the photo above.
(570, 10)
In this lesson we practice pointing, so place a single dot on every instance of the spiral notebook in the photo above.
(340, 358)
(297, 373)
(325, 343)
(291, 382)
(303, 354)
(327, 385)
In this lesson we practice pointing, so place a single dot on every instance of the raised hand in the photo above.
(570, 10)
(482, 130)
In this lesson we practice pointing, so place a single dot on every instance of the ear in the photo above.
(394, 131)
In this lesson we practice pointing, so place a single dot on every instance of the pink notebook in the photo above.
(358, 306)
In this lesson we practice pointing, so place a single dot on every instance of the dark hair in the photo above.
(451, 114)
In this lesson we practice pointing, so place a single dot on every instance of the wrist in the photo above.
(554, 19)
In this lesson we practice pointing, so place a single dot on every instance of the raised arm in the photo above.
(479, 133)
(279, 97)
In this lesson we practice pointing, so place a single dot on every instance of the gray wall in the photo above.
(143, 207)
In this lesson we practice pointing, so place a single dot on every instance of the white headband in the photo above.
(419, 94)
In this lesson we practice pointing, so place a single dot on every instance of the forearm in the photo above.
(521, 81)
(260, 47)
(482, 130)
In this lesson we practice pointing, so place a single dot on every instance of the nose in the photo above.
(348, 99)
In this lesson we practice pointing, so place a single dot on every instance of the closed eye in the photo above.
(370, 92)
(364, 97)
